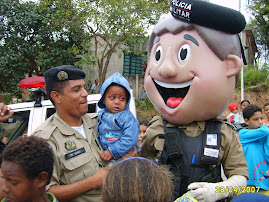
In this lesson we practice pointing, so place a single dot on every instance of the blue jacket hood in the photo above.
(118, 79)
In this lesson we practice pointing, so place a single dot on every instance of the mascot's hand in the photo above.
(203, 191)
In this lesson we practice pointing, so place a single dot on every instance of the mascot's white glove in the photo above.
(203, 191)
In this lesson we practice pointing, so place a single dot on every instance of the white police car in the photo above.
(29, 115)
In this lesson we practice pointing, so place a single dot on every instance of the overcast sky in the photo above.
(234, 4)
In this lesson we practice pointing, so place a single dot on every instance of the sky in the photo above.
(234, 4)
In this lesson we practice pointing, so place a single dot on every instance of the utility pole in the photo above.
(242, 70)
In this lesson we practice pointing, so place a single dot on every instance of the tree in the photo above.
(260, 23)
(117, 24)
(31, 42)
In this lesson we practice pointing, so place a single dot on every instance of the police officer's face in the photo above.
(74, 98)
(17, 186)
(186, 81)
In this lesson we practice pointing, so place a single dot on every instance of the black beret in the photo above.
(208, 15)
(63, 73)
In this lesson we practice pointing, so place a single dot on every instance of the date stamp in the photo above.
(237, 190)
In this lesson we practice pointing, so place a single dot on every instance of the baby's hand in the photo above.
(106, 156)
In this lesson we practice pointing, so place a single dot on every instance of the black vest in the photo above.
(192, 159)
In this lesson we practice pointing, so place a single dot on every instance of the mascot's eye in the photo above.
(184, 53)
(158, 53)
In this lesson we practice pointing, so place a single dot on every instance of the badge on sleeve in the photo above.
(212, 139)
(70, 145)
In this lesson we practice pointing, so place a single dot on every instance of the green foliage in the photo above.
(254, 77)
(31, 41)
(144, 104)
(115, 25)
(260, 23)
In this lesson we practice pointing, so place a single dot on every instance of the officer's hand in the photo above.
(131, 153)
(100, 176)
(5, 112)
(106, 156)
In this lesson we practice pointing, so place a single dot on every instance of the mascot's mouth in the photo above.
(172, 93)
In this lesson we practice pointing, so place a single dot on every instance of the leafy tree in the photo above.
(114, 25)
(31, 43)
(260, 23)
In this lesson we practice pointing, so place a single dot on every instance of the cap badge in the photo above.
(62, 75)
(70, 145)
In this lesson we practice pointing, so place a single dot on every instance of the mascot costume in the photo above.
(194, 63)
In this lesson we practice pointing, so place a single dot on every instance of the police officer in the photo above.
(78, 172)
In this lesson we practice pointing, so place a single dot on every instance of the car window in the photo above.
(14, 127)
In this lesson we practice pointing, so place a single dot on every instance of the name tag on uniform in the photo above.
(74, 153)
(211, 152)
(211, 139)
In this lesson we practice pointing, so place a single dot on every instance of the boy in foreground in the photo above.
(255, 143)
(27, 166)
(118, 129)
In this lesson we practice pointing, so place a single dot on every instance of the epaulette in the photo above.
(229, 124)
(154, 119)
(93, 115)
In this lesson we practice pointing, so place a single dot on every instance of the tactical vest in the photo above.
(192, 159)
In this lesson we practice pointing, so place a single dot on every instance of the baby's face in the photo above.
(243, 105)
(235, 111)
(115, 99)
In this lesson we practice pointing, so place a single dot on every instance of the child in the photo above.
(255, 143)
(266, 112)
(233, 117)
(27, 166)
(243, 104)
(137, 179)
(118, 129)
(143, 128)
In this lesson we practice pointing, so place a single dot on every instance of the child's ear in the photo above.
(234, 65)
(246, 121)
(42, 179)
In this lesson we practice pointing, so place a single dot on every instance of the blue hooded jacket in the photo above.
(117, 132)
(255, 143)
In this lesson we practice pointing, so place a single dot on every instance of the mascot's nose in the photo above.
(168, 69)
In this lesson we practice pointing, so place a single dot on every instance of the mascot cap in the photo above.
(208, 15)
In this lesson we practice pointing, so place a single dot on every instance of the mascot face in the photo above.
(186, 81)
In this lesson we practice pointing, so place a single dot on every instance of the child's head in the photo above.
(27, 166)
(253, 116)
(115, 93)
(115, 98)
(243, 104)
(143, 127)
(137, 179)
(266, 109)
(233, 108)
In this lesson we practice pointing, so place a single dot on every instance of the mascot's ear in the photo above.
(234, 65)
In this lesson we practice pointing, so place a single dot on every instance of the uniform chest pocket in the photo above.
(78, 168)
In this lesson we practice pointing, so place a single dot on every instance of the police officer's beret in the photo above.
(63, 73)
(208, 15)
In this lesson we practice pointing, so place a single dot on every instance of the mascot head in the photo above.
(195, 59)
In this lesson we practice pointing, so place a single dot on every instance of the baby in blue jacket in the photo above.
(117, 127)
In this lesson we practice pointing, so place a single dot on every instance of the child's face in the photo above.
(266, 111)
(255, 121)
(142, 132)
(115, 99)
(186, 81)
(243, 105)
(17, 186)
(235, 111)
